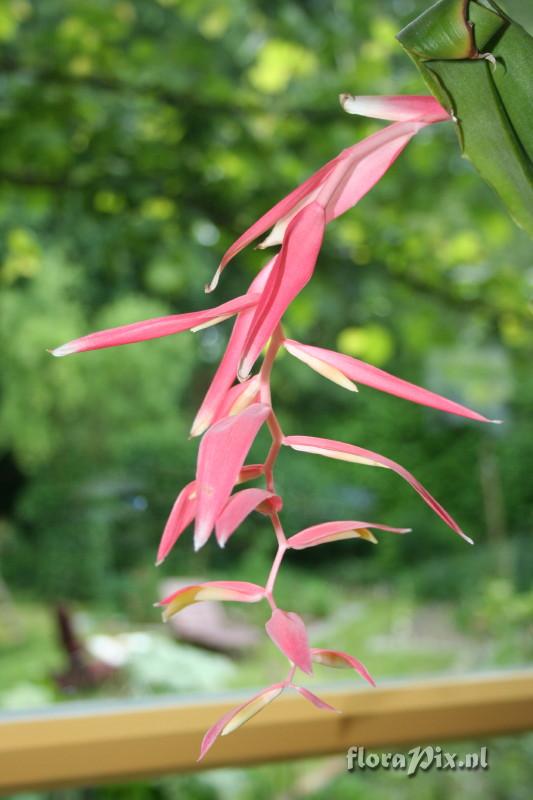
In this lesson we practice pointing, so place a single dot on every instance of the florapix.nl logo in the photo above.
(418, 758)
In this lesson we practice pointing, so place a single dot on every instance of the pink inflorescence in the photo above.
(238, 402)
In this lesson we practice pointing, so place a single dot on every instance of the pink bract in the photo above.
(220, 457)
(287, 631)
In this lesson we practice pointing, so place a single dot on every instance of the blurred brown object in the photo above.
(207, 624)
(83, 671)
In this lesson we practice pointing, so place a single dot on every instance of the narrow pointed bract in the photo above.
(227, 369)
(238, 716)
(315, 700)
(238, 507)
(220, 457)
(340, 660)
(236, 591)
(271, 217)
(155, 328)
(181, 516)
(320, 359)
(293, 269)
(357, 170)
(350, 452)
(395, 108)
(337, 531)
(287, 631)
(369, 161)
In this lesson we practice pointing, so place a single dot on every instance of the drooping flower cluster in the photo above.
(238, 402)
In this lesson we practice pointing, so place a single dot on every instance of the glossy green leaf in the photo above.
(479, 66)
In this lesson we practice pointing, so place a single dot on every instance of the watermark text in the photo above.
(418, 758)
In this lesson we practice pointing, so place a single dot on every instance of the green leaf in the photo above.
(440, 32)
(477, 62)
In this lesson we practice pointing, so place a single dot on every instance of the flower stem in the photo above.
(277, 438)
(265, 396)
(266, 367)
(269, 588)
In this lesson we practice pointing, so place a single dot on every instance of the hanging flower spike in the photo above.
(238, 507)
(238, 716)
(349, 452)
(236, 591)
(220, 458)
(336, 366)
(156, 328)
(226, 372)
(337, 531)
(293, 269)
(231, 415)
(340, 660)
(287, 631)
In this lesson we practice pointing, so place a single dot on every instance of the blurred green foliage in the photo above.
(137, 140)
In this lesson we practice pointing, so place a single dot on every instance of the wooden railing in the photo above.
(87, 743)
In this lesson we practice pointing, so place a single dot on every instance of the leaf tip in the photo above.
(199, 426)
(63, 350)
(345, 100)
(210, 287)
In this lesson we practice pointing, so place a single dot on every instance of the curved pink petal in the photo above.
(155, 328)
(340, 660)
(238, 716)
(316, 701)
(287, 631)
(220, 458)
(350, 452)
(410, 110)
(320, 359)
(181, 516)
(288, 203)
(397, 108)
(337, 531)
(238, 507)
(237, 591)
(227, 369)
(356, 171)
(294, 267)
(367, 162)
